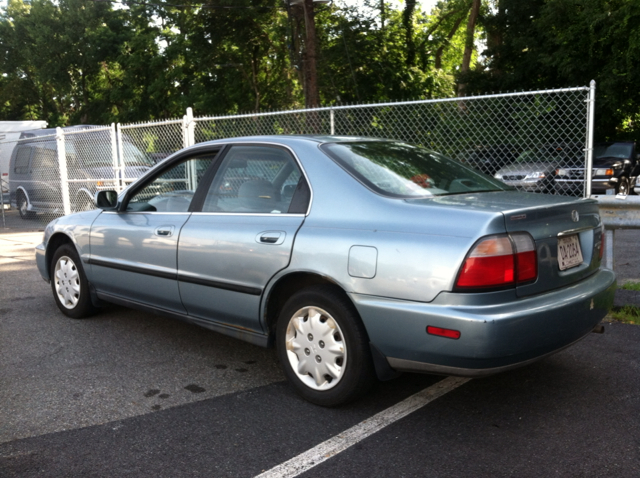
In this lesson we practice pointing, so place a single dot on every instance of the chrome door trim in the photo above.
(170, 274)
(217, 284)
(154, 271)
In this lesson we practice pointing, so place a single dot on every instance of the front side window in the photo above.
(254, 179)
(406, 171)
(173, 189)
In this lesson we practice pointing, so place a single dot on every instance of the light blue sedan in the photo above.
(358, 258)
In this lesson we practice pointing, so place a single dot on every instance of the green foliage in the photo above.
(632, 285)
(80, 61)
(628, 314)
(563, 43)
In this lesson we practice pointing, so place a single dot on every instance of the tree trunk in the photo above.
(312, 98)
(407, 21)
(469, 46)
(440, 50)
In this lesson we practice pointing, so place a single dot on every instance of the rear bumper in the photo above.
(498, 330)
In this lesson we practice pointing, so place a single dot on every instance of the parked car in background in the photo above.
(490, 159)
(615, 166)
(534, 170)
(34, 172)
(356, 257)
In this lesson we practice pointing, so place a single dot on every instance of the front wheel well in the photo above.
(286, 287)
(54, 243)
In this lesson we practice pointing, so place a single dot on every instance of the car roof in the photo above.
(306, 137)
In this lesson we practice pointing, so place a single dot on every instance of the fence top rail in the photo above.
(97, 129)
(395, 103)
(151, 123)
(31, 138)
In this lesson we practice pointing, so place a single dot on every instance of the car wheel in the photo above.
(23, 205)
(69, 284)
(623, 186)
(323, 347)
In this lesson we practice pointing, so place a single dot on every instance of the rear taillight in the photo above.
(498, 262)
(526, 258)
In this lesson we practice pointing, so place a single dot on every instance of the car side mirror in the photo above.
(106, 199)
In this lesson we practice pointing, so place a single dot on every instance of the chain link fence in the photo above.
(534, 141)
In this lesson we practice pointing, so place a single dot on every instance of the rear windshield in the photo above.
(406, 171)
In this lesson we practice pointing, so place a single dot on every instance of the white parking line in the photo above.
(325, 450)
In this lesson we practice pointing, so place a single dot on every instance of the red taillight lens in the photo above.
(526, 258)
(499, 261)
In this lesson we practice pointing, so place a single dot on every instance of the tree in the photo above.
(563, 43)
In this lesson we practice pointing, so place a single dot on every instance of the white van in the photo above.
(9, 134)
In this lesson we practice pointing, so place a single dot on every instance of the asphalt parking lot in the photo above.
(127, 393)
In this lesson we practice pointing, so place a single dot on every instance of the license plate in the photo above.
(569, 253)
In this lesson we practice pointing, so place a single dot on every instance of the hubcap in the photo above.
(316, 348)
(67, 282)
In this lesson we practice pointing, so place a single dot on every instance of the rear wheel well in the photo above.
(286, 287)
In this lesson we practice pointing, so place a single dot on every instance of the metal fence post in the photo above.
(114, 155)
(62, 166)
(4, 224)
(332, 121)
(590, 121)
(191, 127)
(185, 133)
(188, 129)
(121, 166)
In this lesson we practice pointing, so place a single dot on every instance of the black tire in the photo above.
(69, 284)
(353, 368)
(623, 186)
(21, 205)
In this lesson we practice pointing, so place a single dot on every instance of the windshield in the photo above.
(402, 170)
(612, 150)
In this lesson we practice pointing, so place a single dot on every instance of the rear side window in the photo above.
(257, 179)
(21, 165)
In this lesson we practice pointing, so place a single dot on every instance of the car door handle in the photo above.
(164, 231)
(271, 237)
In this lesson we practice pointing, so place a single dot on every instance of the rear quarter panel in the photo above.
(420, 247)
